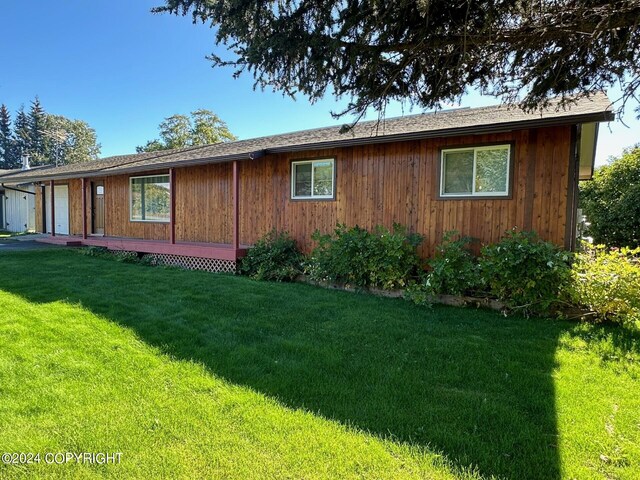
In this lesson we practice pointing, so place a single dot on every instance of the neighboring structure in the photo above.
(17, 205)
(478, 171)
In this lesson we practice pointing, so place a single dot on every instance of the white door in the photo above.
(61, 209)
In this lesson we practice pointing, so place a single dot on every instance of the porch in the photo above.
(168, 245)
(217, 251)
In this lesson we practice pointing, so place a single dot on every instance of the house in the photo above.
(17, 205)
(480, 171)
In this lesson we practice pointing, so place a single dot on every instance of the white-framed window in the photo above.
(475, 171)
(149, 198)
(312, 179)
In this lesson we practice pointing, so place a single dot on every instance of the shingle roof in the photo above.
(438, 124)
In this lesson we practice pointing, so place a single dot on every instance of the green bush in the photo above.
(452, 271)
(611, 201)
(524, 272)
(275, 256)
(608, 283)
(118, 255)
(382, 258)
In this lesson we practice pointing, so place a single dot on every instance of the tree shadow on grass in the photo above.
(468, 383)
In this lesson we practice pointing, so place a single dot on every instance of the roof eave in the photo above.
(604, 116)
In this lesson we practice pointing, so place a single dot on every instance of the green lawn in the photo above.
(195, 375)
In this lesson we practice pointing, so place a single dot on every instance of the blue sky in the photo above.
(116, 66)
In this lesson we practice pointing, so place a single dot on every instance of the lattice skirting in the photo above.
(192, 263)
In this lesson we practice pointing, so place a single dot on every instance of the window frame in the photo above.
(312, 197)
(441, 195)
(133, 220)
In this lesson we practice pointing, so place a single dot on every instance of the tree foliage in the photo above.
(36, 129)
(8, 158)
(68, 141)
(202, 127)
(46, 138)
(611, 201)
(427, 52)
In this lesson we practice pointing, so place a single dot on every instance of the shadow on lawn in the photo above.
(474, 385)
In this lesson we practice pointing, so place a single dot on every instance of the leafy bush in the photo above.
(607, 282)
(611, 202)
(525, 272)
(382, 258)
(452, 271)
(118, 255)
(275, 256)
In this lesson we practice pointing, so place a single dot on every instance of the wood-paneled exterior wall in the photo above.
(375, 184)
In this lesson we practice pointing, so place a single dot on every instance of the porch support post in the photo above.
(53, 208)
(236, 208)
(172, 206)
(84, 208)
(43, 206)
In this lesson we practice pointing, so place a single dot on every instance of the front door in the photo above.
(97, 208)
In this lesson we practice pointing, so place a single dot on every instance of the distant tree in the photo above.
(7, 146)
(209, 128)
(426, 52)
(611, 201)
(151, 146)
(68, 141)
(36, 126)
(46, 138)
(21, 134)
(203, 127)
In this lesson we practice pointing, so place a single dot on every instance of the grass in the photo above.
(194, 375)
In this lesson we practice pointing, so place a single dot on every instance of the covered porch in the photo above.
(166, 244)
(217, 251)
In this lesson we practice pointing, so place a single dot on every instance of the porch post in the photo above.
(172, 205)
(53, 209)
(236, 208)
(84, 208)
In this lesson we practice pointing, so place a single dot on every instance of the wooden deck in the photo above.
(219, 251)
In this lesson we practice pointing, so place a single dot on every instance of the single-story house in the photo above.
(480, 171)
(17, 206)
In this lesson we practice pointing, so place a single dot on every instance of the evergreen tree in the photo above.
(7, 147)
(21, 135)
(36, 131)
(426, 52)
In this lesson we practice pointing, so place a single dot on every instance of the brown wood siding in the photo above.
(116, 213)
(398, 182)
(375, 184)
(204, 204)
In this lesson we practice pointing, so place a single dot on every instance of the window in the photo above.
(312, 179)
(479, 171)
(150, 198)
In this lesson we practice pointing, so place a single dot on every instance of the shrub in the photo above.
(118, 255)
(275, 256)
(382, 258)
(452, 271)
(607, 282)
(611, 201)
(525, 272)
